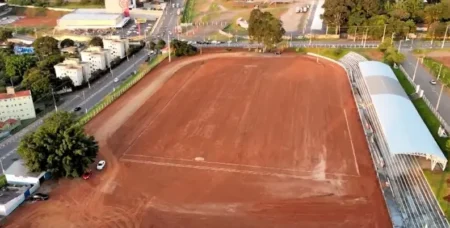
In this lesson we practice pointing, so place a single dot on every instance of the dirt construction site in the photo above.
(225, 140)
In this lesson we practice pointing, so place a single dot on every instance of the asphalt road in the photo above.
(423, 79)
(86, 99)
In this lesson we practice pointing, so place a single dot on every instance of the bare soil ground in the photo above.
(280, 138)
(37, 17)
(444, 59)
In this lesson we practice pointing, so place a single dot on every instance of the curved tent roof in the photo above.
(403, 128)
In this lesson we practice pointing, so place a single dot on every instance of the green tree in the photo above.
(391, 56)
(182, 48)
(49, 62)
(59, 146)
(152, 45)
(17, 65)
(38, 81)
(5, 34)
(447, 146)
(67, 43)
(264, 28)
(161, 44)
(96, 41)
(385, 45)
(337, 12)
(45, 46)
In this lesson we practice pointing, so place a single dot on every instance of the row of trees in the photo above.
(400, 17)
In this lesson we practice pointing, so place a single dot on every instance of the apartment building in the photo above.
(117, 46)
(76, 70)
(16, 105)
(97, 57)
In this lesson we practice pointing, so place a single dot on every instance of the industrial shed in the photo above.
(403, 129)
(91, 19)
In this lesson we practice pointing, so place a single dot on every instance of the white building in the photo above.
(76, 70)
(16, 105)
(91, 19)
(117, 46)
(97, 57)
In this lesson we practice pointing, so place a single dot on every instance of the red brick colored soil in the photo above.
(280, 139)
(444, 59)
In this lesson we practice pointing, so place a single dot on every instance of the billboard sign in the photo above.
(140, 20)
(20, 50)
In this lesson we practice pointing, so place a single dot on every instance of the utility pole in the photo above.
(310, 38)
(439, 74)
(399, 46)
(439, 98)
(384, 33)
(54, 101)
(354, 38)
(367, 34)
(1, 164)
(445, 36)
(432, 39)
(392, 38)
(415, 69)
(168, 41)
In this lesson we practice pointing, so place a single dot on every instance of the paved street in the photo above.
(91, 97)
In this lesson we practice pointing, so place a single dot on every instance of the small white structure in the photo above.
(16, 105)
(97, 57)
(242, 23)
(76, 70)
(20, 184)
(117, 46)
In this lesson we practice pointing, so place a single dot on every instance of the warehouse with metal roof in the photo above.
(92, 19)
(403, 129)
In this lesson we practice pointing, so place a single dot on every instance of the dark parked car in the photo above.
(39, 197)
(77, 109)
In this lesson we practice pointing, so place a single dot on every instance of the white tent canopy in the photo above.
(403, 128)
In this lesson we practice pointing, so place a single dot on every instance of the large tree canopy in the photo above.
(96, 41)
(264, 28)
(17, 65)
(45, 46)
(182, 48)
(67, 43)
(5, 34)
(59, 146)
(38, 81)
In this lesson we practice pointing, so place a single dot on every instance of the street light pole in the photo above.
(445, 36)
(439, 98)
(54, 101)
(415, 69)
(1, 164)
(399, 46)
(168, 41)
(392, 38)
(384, 33)
(439, 74)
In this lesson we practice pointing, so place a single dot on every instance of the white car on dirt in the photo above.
(101, 164)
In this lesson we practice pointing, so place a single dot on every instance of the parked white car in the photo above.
(116, 80)
(101, 164)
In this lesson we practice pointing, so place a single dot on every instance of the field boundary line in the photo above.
(232, 164)
(217, 169)
(351, 141)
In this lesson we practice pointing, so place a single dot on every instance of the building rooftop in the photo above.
(9, 192)
(25, 93)
(403, 128)
(3, 4)
(18, 168)
(90, 16)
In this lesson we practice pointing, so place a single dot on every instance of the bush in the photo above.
(338, 51)
(300, 50)
(182, 48)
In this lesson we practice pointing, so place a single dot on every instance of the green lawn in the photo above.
(2, 180)
(434, 66)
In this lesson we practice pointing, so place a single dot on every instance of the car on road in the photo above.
(76, 109)
(39, 197)
(101, 164)
(116, 79)
(86, 175)
(433, 82)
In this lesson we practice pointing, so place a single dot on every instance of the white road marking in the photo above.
(351, 141)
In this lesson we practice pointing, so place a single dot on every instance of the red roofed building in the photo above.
(16, 105)
(9, 124)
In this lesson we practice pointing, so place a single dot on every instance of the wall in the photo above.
(20, 179)
(7, 208)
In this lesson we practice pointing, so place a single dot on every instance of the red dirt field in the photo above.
(444, 59)
(281, 142)
(36, 21)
